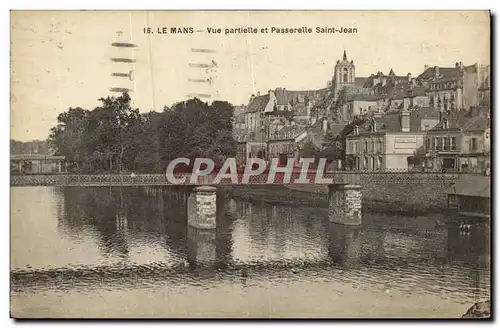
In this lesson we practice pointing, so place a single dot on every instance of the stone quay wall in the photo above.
(419, 192)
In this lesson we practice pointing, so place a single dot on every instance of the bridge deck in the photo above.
(97, 180)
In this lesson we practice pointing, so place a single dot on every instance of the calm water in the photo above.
(111, 252)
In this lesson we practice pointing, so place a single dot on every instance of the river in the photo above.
(127, 252)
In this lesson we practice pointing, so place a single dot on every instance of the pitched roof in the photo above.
(455, 122)
(391, 121)
(360, 81)
(476, 124)
(360, 97)
(284, 96)
(445, 72)
(471, 185)
(258, 104)
(335, 129)
(417, 91)
(425, 112)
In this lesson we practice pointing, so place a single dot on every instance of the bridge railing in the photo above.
(335, 177)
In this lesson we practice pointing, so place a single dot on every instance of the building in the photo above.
(239, 121)
(416, 98)
(255, 123)
(380, 80)
(470, 196)
(390, 141)
(484, 86)
(36, 163)
(241, 137)
(344, 78)
(459, 142)
(451, 88)
(355, 105)
(283, 144)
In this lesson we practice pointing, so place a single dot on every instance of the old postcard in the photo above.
(250, 164)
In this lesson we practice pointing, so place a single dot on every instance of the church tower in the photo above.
(344, 75)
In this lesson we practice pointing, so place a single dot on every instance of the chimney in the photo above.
(409, 77)
(252, 97)
(436, 70)
(356, 130)
(405, 121)
(258, 93)
(377, 121)
(426, 67)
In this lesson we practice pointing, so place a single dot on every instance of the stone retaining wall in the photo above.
(408, 191)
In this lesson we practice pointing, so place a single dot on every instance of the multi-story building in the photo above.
(255, 123)
(356, 105)
(459, 142)
(389, 141)
(239, 121)
(241, 137)
(283, 144)
(416, 97)
(451, 88)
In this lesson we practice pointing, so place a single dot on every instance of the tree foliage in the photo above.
(115, 137)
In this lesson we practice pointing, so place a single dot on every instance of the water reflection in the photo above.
(117, 237)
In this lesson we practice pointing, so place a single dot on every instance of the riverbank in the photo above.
(480, 310)
(285, 195)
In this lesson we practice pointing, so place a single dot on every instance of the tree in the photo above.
(308, 150)
(116, 137)
(332, 147)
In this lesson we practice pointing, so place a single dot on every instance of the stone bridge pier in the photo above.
(345, 219)
(345, 204)
(207, 236)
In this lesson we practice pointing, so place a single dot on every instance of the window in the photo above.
(366, 146)
(373, 146)
(380, 162)
(365, 163)
(351, 147)
(345, 74)
(379, 146)
(286, 107)
(437, 143)
(427, 144)
(453, 143)
(473, 144)
(446, 144)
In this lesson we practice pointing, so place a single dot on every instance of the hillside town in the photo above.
(438, 120)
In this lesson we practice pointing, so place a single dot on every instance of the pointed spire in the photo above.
(391, 72)
(345, 56)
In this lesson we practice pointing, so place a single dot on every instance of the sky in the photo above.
(61, 59)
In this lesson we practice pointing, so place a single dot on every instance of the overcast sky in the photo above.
(62, 59)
